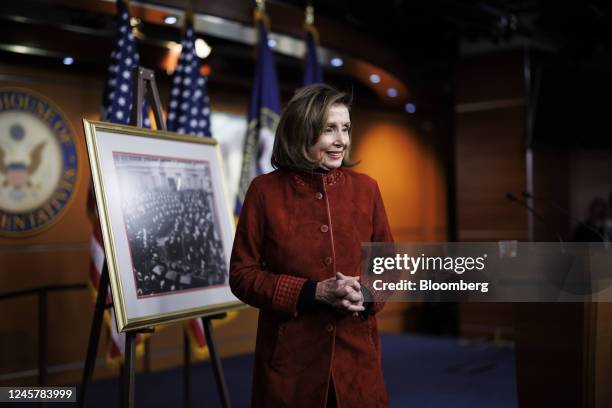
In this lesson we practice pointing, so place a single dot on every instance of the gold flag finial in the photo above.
(260, 13)
(309, 22)
(309, 16)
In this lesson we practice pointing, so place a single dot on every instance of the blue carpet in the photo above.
(431, 372)
(423, 372)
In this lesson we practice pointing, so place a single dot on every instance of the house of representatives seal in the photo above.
(38, 162)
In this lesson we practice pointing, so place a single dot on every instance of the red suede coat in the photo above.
(299, 226)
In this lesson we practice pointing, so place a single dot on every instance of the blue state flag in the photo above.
(263, 117)
(189, 107)
(313, 73)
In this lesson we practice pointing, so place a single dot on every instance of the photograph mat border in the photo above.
(124, 323)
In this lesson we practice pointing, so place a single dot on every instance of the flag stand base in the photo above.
(145, 78)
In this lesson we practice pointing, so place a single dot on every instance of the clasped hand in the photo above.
(341, 292)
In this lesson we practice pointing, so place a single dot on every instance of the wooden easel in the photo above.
(145, 79)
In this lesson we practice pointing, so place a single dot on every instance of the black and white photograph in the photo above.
(165, 222)
(171, 223)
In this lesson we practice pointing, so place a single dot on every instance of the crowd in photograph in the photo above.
(174, 241)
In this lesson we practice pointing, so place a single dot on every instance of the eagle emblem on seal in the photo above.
(38, 162)
(17, 173)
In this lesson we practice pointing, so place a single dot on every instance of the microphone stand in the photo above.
(563, 211)
(511, 197)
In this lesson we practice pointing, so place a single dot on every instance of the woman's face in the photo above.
(331, 146)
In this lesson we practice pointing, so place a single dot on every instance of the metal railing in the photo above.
(42, 292)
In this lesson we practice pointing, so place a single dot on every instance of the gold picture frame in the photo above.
(166, 223)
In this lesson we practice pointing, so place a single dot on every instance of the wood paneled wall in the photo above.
(490, 153)
(401, 157)
(559, 346)
(59, 255)
(490, 161)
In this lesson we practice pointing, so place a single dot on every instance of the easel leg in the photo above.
(128, 370)
(186, 370)
(94, 336)
(216, 363)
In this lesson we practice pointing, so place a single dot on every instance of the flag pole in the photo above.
(189, 89)
(260, 13)
(309, 20)
(312, 69)
(113, 111)
(309, 14)
(189, 19)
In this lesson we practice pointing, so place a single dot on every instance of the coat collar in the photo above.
(317, 179)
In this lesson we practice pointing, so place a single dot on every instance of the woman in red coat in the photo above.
(296, 258)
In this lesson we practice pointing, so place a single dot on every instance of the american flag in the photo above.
(117, 97)
(189, 110)
(116, 108)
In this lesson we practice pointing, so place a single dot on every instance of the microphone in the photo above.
(515, 199)
(563, 211)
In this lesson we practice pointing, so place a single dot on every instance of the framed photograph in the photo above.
(166, 222)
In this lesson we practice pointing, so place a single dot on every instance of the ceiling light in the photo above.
(202, 49)
(68, 61)
(170, 19)
(391, 92)
(336, 62)
(410, 108)
(374, 78)
(271, 42)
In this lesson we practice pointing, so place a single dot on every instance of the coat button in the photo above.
(328, 260)
(330, 328)
(318, 196)
(324, 228)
